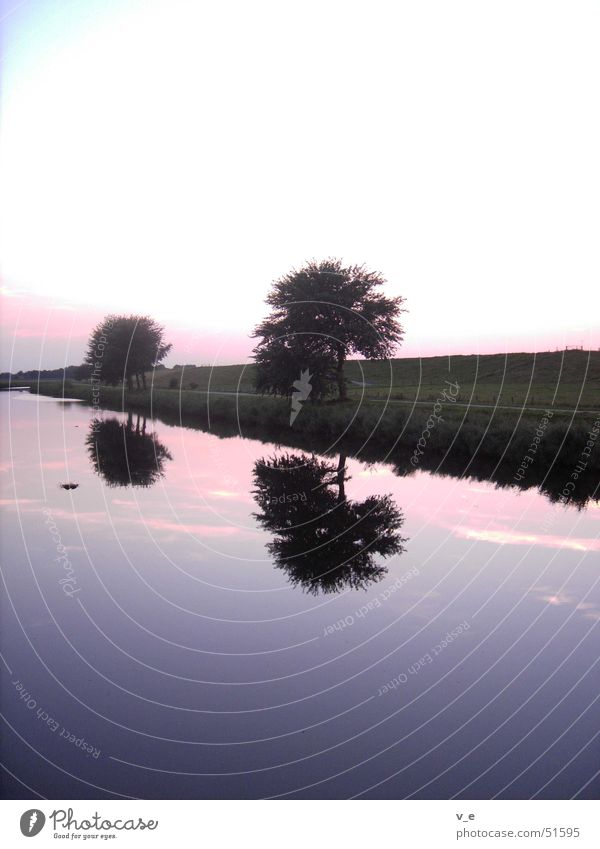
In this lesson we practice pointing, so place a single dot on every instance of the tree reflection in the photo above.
(323, 541)
(557, 483)
(124, 454)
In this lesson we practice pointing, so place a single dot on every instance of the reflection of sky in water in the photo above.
(182, 630)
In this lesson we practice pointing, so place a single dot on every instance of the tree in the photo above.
(122, 347)
(324, 312)
(323, 541)
(279, 363)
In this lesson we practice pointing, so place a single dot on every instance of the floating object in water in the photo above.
(68, 485)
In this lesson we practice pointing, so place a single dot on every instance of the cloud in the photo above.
(507, 536)
(199, 530)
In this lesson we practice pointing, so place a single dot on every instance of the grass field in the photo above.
(563, 379)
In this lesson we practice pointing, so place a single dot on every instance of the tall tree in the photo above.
(325, 312)
(122, 347)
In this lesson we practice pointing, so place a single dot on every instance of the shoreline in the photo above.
(464, 442)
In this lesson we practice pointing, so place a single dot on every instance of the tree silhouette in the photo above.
(124, 454)
(321, 314)
(280, 362)
(122, 347)
(323, 541)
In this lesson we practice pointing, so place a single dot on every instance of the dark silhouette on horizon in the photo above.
(122, 347)
(320, 315)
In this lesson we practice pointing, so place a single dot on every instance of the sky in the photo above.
(174, 158)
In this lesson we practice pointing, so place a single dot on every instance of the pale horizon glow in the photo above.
(173, 158)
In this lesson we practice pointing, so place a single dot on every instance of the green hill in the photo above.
(563, 379)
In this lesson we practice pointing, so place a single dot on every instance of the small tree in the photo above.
(123, 347)
(325, 312)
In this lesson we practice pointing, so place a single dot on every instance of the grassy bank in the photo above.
(565, 379)
(486, 444)
(5, 385)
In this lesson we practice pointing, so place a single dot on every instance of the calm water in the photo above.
(207, 618)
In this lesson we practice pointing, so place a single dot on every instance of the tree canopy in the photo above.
(122, 347)
(320, 315)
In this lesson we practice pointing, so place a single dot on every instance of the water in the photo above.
(183, 637)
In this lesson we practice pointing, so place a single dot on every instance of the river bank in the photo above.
(545, 449)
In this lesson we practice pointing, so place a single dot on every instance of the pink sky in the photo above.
(182, 188)
(39, 333)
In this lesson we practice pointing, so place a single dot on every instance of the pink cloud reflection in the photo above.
(506, 536)
(181, 527)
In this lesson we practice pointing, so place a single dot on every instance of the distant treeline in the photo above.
(69, 373)
(81, 372)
